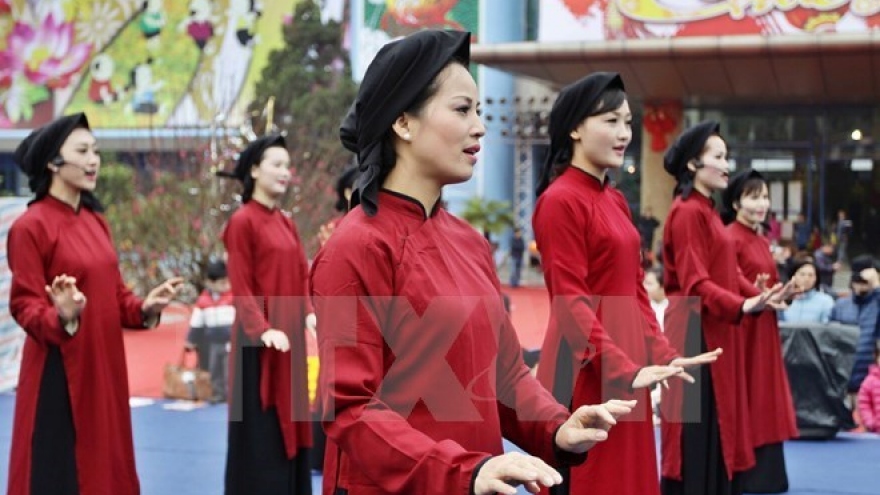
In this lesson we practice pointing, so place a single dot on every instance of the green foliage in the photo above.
(169, 223)
(171, 228)
(115, 184)
(310, 81)
(488, 215)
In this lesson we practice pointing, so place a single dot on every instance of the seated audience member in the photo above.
(812, 306)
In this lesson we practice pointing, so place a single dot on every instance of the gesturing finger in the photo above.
(588, 415)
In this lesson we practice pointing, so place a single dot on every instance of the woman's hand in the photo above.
(66, 297)
(652, 375)
(758, 303)
(698, 360)
(275, 339)
(161, 296)
(501, 474)
(588, 425)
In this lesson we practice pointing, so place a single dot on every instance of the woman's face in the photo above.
(601, 140)
(81, 162)
(715, 171)
(805, 277)
(272, 175)
(445, 137)
(753, 206)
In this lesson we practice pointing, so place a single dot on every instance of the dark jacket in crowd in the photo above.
(862, 311)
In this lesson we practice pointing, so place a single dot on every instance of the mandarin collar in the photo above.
(696, 195)
(261, 207)
(744, 227)
(587, 179)
(62, 205)
(408, 205)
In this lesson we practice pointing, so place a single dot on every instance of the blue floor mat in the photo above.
(184, 453)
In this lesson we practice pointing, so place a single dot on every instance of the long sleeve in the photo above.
(562, 245)
(529, 414)
(352, 298)
(239, 239)
(747, 288)
(690, 255)
(28, 302)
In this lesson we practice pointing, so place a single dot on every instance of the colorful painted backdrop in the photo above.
(385, 20)
(133, 63)
(569, 20)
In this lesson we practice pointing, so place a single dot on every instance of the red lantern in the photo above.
(659, 121)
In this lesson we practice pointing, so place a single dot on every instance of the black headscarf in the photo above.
(574, 103)
(249, 157)
(43, 146)
(734, 191)
(688, 147)
(395, 79)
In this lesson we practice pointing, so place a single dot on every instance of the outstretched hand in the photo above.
(758, 303)
(590, 424)
(651, 375)
(502, 474)
(698, 360)
(161, 296)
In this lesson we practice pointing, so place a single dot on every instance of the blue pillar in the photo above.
(493, 178)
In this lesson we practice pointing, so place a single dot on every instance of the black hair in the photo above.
(248, 182)
(40, 183)
(751, 186)
(389, 156)
(658, 274)
(800, 264)
(215, 270)
(610, 100)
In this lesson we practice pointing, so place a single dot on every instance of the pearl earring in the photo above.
(407, 137)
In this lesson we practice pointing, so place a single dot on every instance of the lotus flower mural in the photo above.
(37, 60)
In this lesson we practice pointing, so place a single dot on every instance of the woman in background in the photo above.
(269, 420)
(602, 339)
(706, 433)
(813, 305)
(72, 426)
(745, 203)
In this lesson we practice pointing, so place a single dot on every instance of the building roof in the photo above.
(815, 68)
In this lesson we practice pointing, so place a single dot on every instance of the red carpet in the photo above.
(148, 351)
(529, 311)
